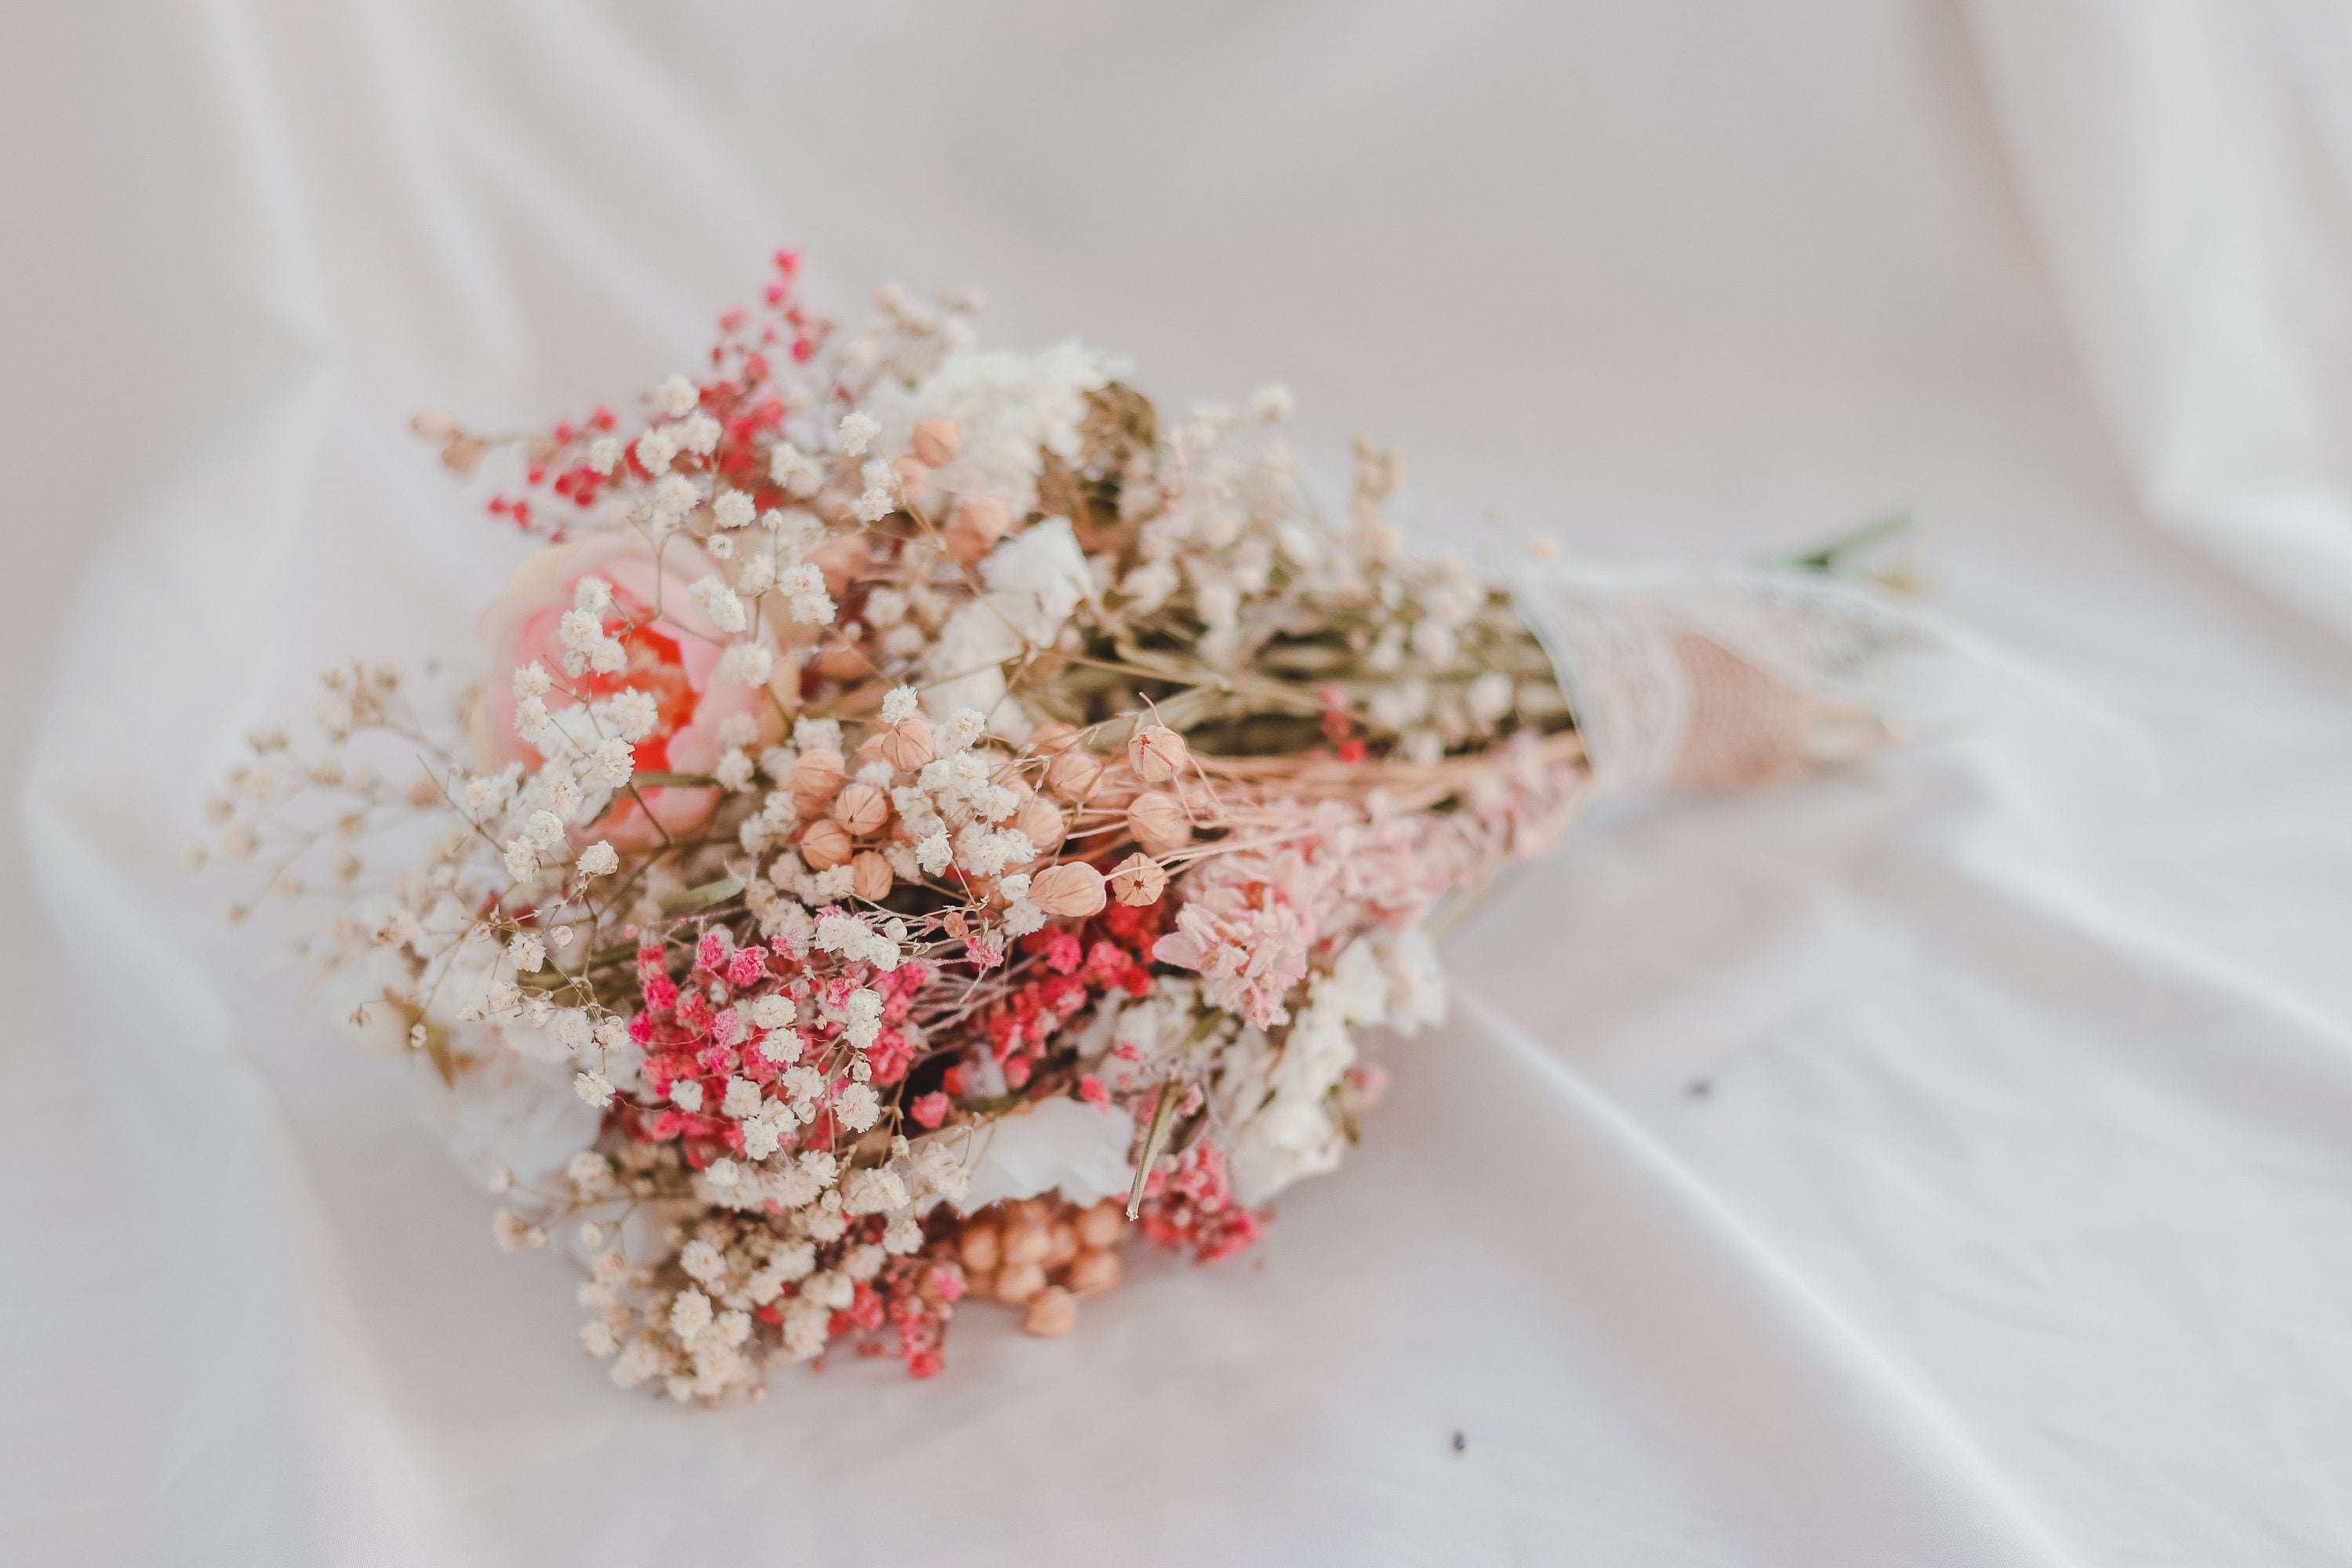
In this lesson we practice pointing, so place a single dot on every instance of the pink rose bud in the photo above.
(1157, 753)
(1137, 881)
(1071, 890)
(936, 443)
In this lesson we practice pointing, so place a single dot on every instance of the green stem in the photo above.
(1826, 556)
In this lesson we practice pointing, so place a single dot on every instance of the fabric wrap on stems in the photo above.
(1718, 678)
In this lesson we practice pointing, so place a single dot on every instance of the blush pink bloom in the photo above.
(673, 654)
(1246, 940)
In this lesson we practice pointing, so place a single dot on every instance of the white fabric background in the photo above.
(2015, 1221)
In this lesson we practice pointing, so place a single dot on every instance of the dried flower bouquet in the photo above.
(926, 822)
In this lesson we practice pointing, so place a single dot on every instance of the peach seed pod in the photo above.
(1071, 774)
(1020, 1281)
(861, 807)
(1092, 1270)
(1052, 737)
(1103, 1225)
(979, 1249)
(1138, 880)
(1052, 1314)
(1041, 822)
(914, 479)
(814, 778)
(871, 877)
(1071, 890)
(908, 744)
(1157, 753)
(1025, 1242)
(1157, 820)
(845, 662)
(825, 843)
(977, 524)
(936, 442)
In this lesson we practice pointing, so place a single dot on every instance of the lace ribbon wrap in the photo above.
(1717, 678)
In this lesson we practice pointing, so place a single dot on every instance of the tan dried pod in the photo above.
(843, 662)
(1071, 774)
(861, 807)
(1158, 822)
(975, 526)
(1052, 1314)
(871, 877)
(843, 558)
(1103, 1225)
(1071, 890)
(914, 479)
(1138, 880)
(1042, 823)
(908, 744)
(1157, 753)
(1065, 1245)
(462, 454)
(1020, 1281)
(825, 843)
(980, 1248)
(815, 777)
(936, 442)
(1025, 1241)
(1092, 1270)
(1115, 787)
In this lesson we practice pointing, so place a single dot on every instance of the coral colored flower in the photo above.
(673, 652)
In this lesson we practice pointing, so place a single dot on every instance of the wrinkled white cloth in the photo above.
(1949, 1162)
